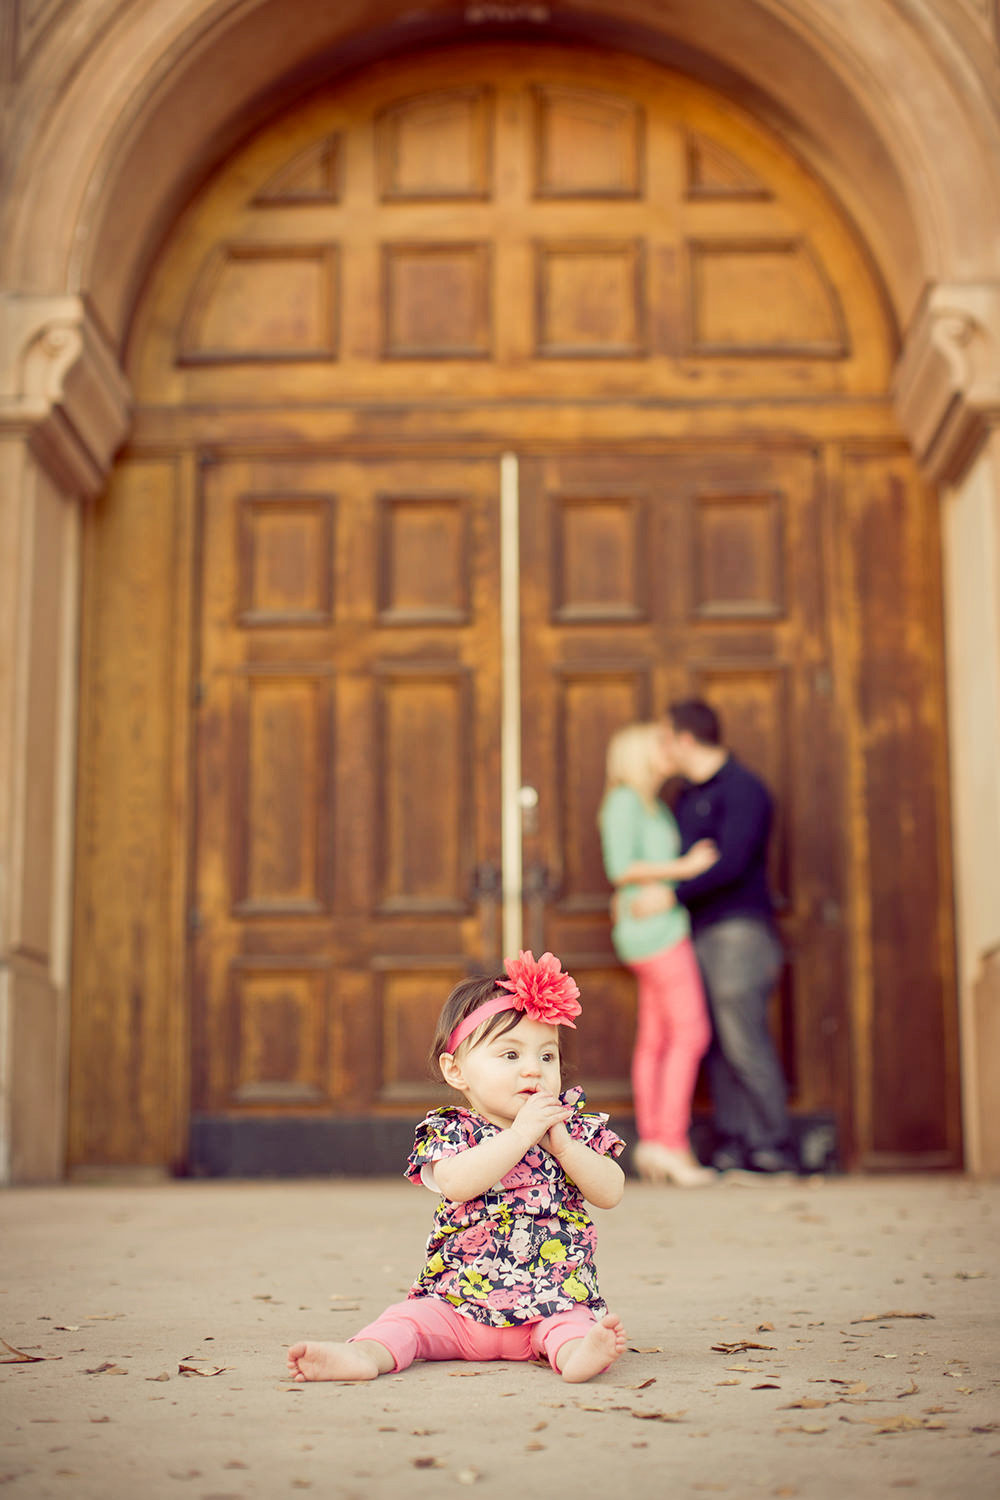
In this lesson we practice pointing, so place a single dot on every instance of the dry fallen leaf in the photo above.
(901, 1423)
(106, 1369)
(729, 1382)
(811, 1427)
(653, 1350)
(66, 1327)
(643, 1384)
(911, 1390)
(19, 1356)
(534, 1447)
(164, 1376)
(739, 1347)
(766, 1386)
(467, 1476)
(765, 1327)
(193, 1369)
(428, 1463)
(807, 1403)
(883, 1317)
(660, 1416)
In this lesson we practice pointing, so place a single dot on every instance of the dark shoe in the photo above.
(729, 1157)
(772, 1159)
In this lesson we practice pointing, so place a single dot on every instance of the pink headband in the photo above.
(537, 986)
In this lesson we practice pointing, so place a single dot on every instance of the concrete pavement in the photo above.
(875, 1301)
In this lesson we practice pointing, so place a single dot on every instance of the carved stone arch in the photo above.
(797, 63)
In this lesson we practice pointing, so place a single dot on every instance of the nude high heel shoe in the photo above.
(658, 1163)
(647, 1162)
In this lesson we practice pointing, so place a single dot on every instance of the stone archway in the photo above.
(129, 125)
(119, 171)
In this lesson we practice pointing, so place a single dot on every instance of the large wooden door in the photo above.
(289, 834)
(348, 826)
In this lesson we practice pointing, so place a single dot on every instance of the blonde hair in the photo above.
(630, 760)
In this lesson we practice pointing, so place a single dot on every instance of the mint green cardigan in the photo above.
(631, 830)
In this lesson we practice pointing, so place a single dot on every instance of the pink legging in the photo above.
(672, 1036)
(430, 1328)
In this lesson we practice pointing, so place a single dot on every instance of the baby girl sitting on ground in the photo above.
(509, 1270)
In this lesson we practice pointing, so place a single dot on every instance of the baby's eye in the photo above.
(510, 1057)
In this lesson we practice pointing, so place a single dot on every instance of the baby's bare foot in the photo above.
(587, 1357)
(308, 1361)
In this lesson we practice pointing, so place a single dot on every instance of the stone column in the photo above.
(63, 412)
(948, 395)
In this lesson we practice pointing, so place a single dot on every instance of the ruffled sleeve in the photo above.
(589, 1127)
(444, 1132)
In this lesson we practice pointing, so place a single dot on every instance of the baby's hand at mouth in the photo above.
(537, 1115)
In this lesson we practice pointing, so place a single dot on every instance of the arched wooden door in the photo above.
(617, 277)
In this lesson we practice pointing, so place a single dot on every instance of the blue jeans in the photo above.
(740, 960)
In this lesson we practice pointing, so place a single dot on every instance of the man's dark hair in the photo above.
(697, 718)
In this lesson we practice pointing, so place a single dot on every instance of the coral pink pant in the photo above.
(430, 1328)
(672, 1036)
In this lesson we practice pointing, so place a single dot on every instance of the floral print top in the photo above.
(525, 1249)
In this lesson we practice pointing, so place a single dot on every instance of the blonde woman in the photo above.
(673, 1029)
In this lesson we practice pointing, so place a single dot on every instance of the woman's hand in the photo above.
(652, 900)
(699, 858)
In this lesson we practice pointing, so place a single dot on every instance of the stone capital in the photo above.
(62, 389)
(947, 381)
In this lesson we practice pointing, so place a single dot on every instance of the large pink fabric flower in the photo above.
(541, 989)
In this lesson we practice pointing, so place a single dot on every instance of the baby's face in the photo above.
(503, 1071)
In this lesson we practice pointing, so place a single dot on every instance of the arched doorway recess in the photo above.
(291, 599)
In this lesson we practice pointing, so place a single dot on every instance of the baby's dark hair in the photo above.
(463, 1000)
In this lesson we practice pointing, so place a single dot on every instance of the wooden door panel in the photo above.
(280, 806)
(424, 747)
(348, 777)
(276, 1033)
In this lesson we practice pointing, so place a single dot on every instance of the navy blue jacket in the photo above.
(734, 808)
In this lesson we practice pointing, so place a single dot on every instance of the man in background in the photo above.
(733, 928)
